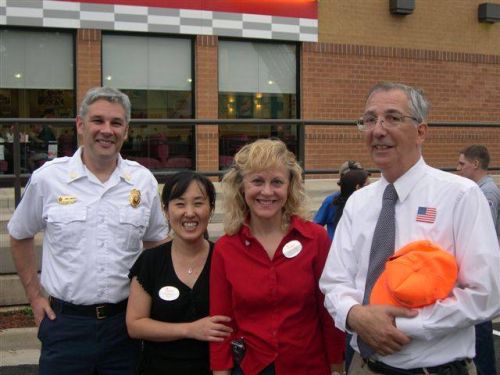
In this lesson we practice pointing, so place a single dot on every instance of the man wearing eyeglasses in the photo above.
(420, 203)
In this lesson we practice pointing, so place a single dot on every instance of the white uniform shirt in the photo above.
(462, 225)
(92, 231)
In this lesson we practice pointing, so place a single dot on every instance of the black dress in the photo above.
(173, 302)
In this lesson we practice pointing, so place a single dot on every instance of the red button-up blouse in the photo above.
(276, 304)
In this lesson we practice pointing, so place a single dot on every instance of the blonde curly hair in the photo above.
(254, 157)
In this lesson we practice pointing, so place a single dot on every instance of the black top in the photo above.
(155, 270)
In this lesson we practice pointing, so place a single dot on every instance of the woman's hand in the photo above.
(210, 328)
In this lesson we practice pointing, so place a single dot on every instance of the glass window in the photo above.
(36, 73)
(256, 80)
(157, 77)
(36, 80)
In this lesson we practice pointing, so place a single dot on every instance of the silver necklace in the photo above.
(190, 269)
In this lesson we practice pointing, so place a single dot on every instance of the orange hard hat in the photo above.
(417, 275)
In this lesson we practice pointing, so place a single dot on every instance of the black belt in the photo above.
(382, 368)
(98, 311)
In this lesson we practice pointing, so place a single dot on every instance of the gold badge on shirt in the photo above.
(66, 199)
(134, 198)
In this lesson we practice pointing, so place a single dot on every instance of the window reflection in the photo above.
(158, 80)
(257, 80)
(154, 104)
(257, 105)
(160, 146)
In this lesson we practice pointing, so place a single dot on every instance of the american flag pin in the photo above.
(426, 214)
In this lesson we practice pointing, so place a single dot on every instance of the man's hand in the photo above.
(375, 324)
(41, 307)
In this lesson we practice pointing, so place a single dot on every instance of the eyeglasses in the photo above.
(388, 121)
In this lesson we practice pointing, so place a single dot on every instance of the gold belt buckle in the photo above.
(99, 311)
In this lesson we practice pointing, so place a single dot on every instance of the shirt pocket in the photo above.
(66, 226)
(133, 223)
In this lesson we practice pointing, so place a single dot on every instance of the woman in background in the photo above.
(350, 181)
(168, 303)
(327, 212)
(265, 272)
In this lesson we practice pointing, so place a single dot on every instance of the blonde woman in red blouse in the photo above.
(265, 272)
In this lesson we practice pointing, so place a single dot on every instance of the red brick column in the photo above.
(206, 94)
(88, 61)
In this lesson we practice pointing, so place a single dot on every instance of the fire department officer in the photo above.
(95, 209)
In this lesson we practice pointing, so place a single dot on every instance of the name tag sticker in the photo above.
(169, 293)
(292, 249)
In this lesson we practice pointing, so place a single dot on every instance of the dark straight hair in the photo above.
(177, 184)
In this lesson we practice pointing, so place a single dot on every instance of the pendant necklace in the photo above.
(192, 267)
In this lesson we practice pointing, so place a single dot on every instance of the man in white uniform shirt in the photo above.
(96, 210)
(446, 209)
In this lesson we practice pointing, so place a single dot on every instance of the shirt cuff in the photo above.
(342, 313)
(412, 327)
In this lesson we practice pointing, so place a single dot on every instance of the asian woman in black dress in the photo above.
(168, 303)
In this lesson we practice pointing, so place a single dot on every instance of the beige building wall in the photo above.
(441, 25)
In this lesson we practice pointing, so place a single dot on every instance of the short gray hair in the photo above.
(417, 102)
(105, 93)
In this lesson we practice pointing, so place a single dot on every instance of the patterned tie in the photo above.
(382, 248)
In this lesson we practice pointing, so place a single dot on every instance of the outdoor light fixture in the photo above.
(401, 7)
(488, 12)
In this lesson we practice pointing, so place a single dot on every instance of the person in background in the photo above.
(168, 303)
(473, 164)
(410, 202)
(328, 214)
(265, 272)
(39, 137)
(97, 211)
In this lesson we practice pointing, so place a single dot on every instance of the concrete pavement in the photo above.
(19, 346)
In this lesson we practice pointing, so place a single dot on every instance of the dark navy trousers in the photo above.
(76, 345)
(485, 349)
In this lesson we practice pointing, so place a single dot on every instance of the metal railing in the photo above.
(18, 179)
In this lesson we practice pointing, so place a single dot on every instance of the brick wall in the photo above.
(443, 25)
(335, 80)
(88, 61)
(206, 94)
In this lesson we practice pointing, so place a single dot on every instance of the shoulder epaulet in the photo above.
(61, 160)
(131, 162)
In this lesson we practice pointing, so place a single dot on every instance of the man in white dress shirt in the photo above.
(443, 208)
(96, 210)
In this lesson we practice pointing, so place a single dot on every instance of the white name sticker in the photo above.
(169, 293)
(292, 249)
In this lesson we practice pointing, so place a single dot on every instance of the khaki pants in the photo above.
(359, 367)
